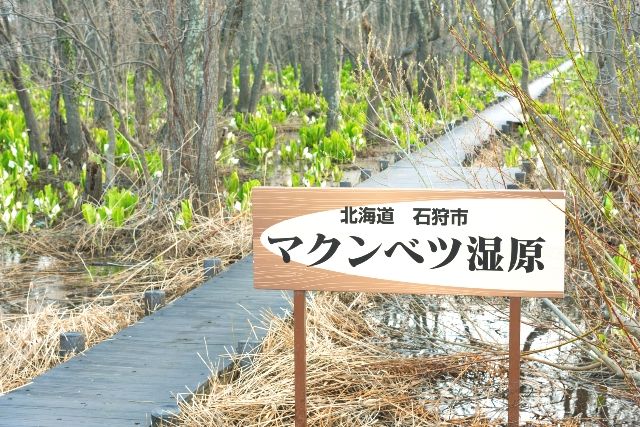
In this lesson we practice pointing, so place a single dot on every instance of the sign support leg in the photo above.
(514, 361)
(300, 357)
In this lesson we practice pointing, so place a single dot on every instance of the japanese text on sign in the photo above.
(509, 244)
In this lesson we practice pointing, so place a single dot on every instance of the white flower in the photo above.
(287, 148)
(37, 201)
(6, 217)
(157, 174)
(106, 148)
(55, 210)
(24, 135)
(306, 154)
(10, 107)
(11, 164)
(18, 205)
(8, 200)
(230, 136)
(234, 161)
(218, 154)
(233, 123)
(237, 206)
(14, 151)
(294, 114)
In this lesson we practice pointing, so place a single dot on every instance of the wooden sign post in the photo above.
(447, 242)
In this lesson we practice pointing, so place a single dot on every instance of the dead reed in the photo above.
(152, 252)
(354, 377)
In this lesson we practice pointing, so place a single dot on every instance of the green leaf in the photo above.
(89, 213)
(23, 221)
(118, 216)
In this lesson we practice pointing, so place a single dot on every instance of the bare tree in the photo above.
(246, 52)
(187, 51)
(524, 56)
(67, 55)
(330, 80)
(12, 56)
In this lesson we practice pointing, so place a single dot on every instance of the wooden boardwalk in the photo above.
(120, 381)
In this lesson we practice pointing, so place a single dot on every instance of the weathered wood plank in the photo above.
(121, 380)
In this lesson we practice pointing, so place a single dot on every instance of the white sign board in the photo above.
(415, 241)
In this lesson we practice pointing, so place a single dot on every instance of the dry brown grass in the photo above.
(354, 377)
(29, 343)
(157, 255)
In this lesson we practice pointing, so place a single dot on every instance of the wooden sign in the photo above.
(470, 242)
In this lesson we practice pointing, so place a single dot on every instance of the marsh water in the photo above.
(47, 282)
(444, 325)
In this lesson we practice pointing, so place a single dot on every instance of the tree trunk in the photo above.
(331, 82)
(499, 38)
(427, 69)
(231, 22)
(140, 107)
(207, 140)
(263, 50)
(307, 80)
(33, 131)
(66, 52)
(524, 80)
(57, 127)
(246, 41)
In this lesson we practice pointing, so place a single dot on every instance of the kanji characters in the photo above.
(440, 216)
(526, 254)
(366, 215)
(458, 216)
(385, 216)
(350, 216)
(422, 216)
(485, 254)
